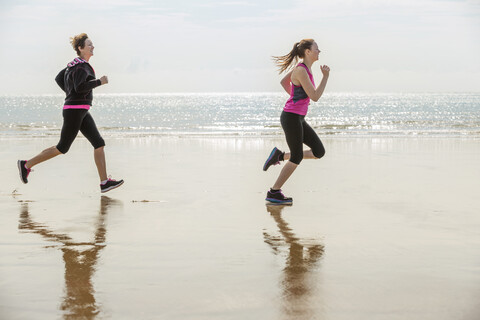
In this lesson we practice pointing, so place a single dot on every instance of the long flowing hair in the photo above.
(286, 62)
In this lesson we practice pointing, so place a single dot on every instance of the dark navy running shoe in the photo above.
(110, 185)
(273, 158)
(23, 171)
(277, 197)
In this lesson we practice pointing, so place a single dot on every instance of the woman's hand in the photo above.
(104, 80)
(325, 70)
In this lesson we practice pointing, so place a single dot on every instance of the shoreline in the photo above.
(112, 134)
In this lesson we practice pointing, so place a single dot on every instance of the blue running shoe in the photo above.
(273, 158)
(277, 197)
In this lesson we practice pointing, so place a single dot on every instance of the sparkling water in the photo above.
(251, 114)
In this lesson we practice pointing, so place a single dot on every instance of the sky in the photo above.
(147, 46)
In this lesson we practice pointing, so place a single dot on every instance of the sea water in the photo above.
(250, 114)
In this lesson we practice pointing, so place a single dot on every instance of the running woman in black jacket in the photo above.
(77, 80)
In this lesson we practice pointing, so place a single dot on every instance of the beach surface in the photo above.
(381, 228)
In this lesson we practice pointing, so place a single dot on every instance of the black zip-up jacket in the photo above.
(78, 80)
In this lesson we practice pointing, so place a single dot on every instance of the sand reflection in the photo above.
(299, 278)
(80, 260)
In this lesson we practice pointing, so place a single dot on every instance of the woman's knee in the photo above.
(318, 153)
(99, 144)
(62, 148)
(296, 158)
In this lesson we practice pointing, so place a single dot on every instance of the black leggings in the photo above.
(297, 131)
(75, 120)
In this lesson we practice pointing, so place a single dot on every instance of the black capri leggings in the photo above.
(75, 120)
(297, 131)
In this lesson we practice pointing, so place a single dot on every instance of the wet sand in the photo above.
(381, 228)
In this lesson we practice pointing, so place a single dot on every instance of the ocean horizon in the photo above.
(250, 114)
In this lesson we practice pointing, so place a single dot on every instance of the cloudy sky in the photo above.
(226, 46)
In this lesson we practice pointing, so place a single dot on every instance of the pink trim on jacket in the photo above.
(80, 106)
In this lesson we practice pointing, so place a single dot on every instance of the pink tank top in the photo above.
(299, 100)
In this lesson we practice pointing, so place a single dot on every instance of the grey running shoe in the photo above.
(23, 171)
(110, 185)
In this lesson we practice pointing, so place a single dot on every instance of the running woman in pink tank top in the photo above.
(77, 80)
(300, 85)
